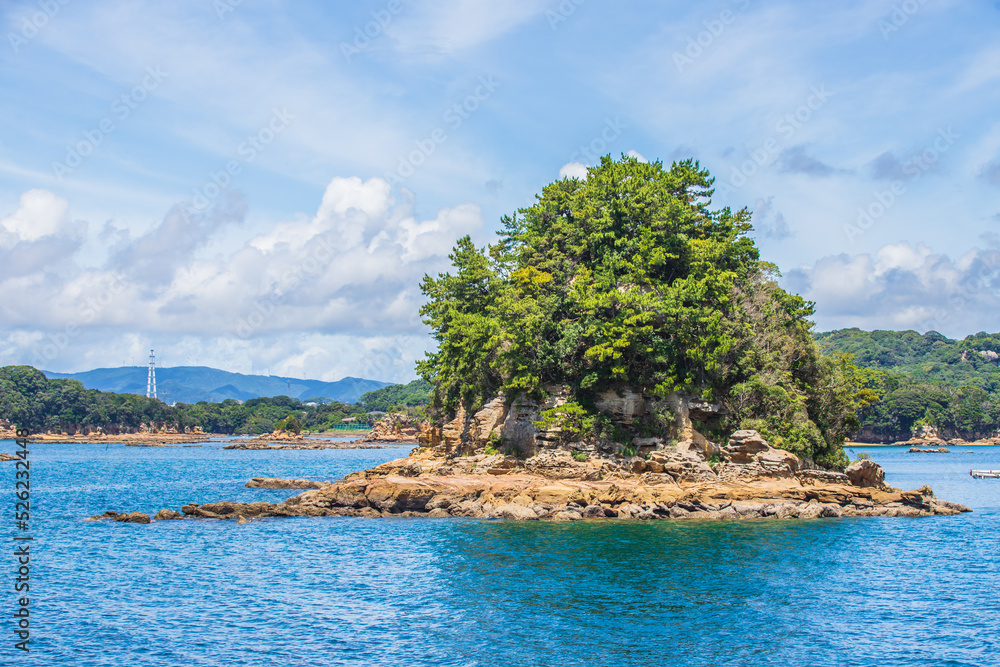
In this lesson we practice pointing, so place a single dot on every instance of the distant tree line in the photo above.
(30, 400)
(923, 380)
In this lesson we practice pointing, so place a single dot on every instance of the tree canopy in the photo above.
(628, 277)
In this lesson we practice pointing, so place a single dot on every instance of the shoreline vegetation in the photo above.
(621, 352)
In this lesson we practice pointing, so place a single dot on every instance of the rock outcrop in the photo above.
(866, 474)
(278, 483)
(396, 427)
(299, 443)
(512, 426)
(751, 481)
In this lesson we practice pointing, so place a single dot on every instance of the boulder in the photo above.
(133, 517)
(513, 511)
(866, 473)
(744, 446)
(167, 515)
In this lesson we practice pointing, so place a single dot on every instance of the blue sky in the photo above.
(262, 184)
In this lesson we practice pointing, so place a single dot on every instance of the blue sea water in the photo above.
(872, 591)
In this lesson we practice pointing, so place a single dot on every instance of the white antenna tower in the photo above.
(151, 378)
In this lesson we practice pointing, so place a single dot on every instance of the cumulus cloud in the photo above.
(351, 271)
(573, 170)
(904, 286)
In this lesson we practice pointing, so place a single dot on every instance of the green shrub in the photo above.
(579, 456)
(572, 420)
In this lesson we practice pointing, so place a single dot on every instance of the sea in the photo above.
(414, 592)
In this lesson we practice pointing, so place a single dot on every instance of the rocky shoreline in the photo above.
(750, 480)
(128, 439)
(301, 443)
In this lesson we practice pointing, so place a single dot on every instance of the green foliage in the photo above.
(30, 400)
(630, 450)
(397, 397)
(571, 420)
(579, 456)
(924, 380)
(629, 277)
(491, 450)
(291, 423)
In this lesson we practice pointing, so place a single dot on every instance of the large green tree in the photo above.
(629, 277)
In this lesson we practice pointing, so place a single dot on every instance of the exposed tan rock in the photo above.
(278, 483)
(866, 473)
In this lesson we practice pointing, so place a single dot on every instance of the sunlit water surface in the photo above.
(874, 591)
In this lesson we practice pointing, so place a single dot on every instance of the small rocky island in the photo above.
(693, 478)
(620, 352)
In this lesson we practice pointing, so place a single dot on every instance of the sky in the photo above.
(260, 185)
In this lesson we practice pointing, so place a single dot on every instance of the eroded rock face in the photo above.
(866, 473)
(744, 446)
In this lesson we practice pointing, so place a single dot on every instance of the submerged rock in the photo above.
(278, 483)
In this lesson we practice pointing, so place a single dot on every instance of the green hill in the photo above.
(924, 380)
(190, 384)
(926, 358)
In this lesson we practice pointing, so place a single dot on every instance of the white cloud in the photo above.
(41, 213)
(573, 170)
(903, 286)
(352, 271)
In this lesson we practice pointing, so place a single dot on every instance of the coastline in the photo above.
(752, 480)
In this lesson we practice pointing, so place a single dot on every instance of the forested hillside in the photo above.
(924, 379)
(30, 400)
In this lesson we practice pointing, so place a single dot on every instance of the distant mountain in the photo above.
(190, 384)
